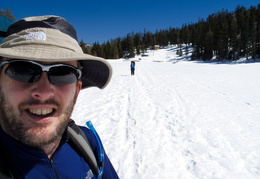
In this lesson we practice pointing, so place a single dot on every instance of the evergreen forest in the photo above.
(223, 35)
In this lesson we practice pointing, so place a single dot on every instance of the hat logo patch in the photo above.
(35, 36)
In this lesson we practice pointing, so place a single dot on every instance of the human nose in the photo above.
(43, 89)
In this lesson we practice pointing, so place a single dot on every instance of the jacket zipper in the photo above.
(53, 169)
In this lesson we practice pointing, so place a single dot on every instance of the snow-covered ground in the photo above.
(184, 120)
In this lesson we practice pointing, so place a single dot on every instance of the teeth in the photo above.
(41, 111)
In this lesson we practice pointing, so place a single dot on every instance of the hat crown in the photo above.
(52, 22)
(53, 39)
(44, 33)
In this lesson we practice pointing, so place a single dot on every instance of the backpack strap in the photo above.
(81, 143)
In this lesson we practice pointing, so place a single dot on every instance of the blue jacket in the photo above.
(30, 163)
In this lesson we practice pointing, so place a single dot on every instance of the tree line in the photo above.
(223, 35)
(7, 13)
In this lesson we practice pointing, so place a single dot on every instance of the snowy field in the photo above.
(184, 120)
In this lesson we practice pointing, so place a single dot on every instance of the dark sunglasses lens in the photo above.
(23, 72)
(63, 75)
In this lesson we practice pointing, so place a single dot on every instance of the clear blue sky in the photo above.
(102, 20)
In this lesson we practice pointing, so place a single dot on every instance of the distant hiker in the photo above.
(42, 70)
(132, 67)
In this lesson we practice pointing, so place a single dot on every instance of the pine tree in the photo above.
(7, 13)
(97, 50)
(233, 43)
(258, 32)
(119, 47)
(253, 33)
(208, 49)
(86, 49)
(131, 50)
(222, 43)
(114, 50)
(137, 43)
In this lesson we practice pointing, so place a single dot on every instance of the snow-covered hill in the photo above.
(178, 119)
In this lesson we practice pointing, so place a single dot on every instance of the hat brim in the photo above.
(96, 71)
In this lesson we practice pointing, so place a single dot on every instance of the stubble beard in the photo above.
(39, 135)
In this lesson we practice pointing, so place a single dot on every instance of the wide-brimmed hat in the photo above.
(52, 38)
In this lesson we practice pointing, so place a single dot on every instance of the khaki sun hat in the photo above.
(52, 38)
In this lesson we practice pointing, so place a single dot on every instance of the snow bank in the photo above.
(178, 120)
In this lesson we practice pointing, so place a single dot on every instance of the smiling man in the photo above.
(42, 70)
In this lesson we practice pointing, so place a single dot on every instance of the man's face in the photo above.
(36, 113)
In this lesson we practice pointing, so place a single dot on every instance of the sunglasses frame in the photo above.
(44, 68)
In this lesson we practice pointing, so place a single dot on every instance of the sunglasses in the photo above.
(30, 72)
